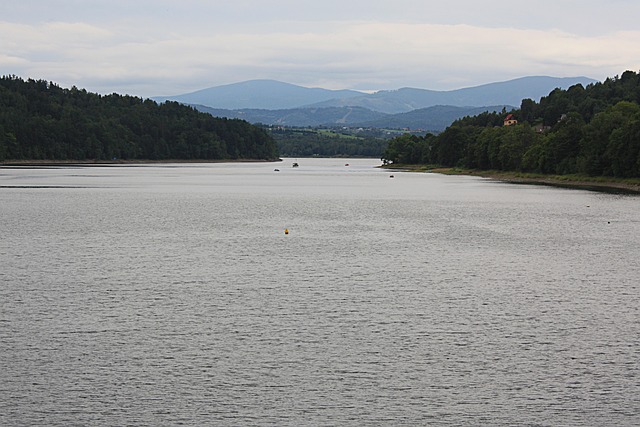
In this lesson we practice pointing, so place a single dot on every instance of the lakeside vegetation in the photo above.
(41, 121)
(600, 183)
(584, 132)
(579, 134)
(329, 142)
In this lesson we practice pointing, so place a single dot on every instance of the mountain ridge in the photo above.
(434, 119)
(275, 95)
(298, 117)
(258, 94)
(510, 92)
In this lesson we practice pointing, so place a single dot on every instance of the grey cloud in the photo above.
(164, 47)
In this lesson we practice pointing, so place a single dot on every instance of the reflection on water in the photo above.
(170, 294)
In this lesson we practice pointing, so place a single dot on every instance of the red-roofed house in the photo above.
(510, 120)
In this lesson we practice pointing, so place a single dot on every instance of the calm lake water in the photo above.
(162, 295)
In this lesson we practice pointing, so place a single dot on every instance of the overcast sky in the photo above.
(162, 47)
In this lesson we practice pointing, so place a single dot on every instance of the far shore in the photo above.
(603, 184)
(120, 162)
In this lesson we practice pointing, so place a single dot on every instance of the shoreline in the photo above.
(602, 184)
(120, 162)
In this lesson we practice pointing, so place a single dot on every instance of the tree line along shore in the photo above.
(41, 121)
(581, 136)
(589, 135)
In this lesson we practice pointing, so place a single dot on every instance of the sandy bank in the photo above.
(604, 184)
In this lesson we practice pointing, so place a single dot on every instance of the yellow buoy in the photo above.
(286, 231)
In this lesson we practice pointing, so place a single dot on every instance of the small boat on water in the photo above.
(295, 165)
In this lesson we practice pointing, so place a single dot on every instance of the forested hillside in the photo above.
(42, 121)
(592, 131)
(300, 142)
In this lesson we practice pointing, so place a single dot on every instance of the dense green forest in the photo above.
(301, 142)
(42, 121)
(591, 131)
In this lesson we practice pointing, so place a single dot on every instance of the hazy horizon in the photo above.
(372, 91)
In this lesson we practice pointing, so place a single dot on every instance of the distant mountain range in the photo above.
(511, 92)
(259, 94)
(274, 102)
(302, 117)
(434, 119)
